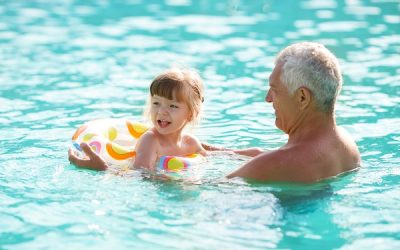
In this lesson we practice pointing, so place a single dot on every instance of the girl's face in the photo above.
(168, 116)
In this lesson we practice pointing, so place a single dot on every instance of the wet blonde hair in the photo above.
(185, 85)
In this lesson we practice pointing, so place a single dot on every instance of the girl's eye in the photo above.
(155, 103)
(173, 106)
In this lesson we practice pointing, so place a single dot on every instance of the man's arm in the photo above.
(263, 168)
(282, 165)
(252, 152)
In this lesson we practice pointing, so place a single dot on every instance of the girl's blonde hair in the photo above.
(185, 85)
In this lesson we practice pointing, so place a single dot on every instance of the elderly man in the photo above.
(302, 89)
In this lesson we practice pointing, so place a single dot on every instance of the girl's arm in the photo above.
(247, 152)
(146, 151)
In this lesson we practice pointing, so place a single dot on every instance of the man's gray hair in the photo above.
(313, 66)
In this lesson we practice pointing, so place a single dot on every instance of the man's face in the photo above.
(284, 104)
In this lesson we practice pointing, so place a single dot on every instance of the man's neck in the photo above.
(313, 125)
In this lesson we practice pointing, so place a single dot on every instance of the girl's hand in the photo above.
(94, 161)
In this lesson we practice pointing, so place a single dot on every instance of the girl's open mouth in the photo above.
(163, 123)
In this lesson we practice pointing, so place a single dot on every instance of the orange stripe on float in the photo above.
(78, 132)
(191, 155)
(119, 155)
(133, 131)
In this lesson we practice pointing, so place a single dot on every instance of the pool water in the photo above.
(66, 62)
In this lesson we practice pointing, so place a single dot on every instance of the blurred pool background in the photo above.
(66, 62)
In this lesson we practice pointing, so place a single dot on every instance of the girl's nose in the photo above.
(162, 110)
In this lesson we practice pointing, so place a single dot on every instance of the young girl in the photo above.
(176, 99)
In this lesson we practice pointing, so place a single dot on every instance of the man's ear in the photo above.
(303, 96)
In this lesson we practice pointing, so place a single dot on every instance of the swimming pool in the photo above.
(66, 62)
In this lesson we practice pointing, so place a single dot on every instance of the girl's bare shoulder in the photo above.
(193, 144)
(150, 137)
(190, 139)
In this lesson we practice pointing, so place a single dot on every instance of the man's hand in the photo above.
(251, 152)
(210, 147)
(94, 162)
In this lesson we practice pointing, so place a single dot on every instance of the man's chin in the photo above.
(278, 124)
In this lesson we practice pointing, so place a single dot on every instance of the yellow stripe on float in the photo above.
(112, 133)
(87, 137)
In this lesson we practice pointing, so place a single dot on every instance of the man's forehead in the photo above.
(274, 74)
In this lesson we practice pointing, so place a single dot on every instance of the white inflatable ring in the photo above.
(115, 139)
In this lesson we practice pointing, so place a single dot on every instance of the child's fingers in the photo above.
(76, 160)
(71, 156)
(81, 163)
(88, 150)
(95, 161)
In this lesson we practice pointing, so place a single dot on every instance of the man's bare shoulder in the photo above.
(308, 161)
(291, 163)
(346, 139)
(350, 153)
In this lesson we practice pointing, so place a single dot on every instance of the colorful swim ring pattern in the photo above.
(176, 163)
(115, 139)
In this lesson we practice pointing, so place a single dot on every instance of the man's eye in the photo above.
(156, 103)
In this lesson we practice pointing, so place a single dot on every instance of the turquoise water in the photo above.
(66, 62)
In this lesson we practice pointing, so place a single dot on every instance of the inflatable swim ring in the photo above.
(115, 139)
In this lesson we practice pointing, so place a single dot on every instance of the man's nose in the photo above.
(268, 97)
